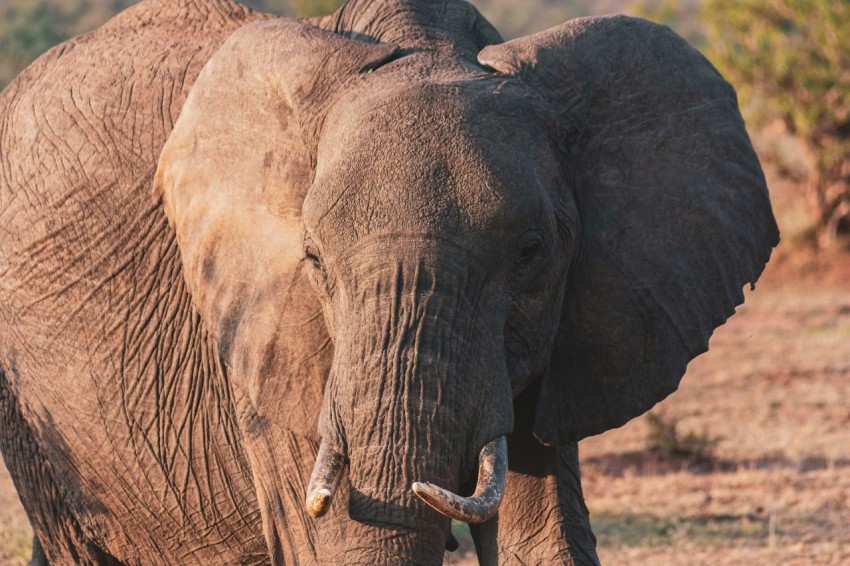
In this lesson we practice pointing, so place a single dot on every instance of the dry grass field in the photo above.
(773, 394)
(774, 391)
(15, 531)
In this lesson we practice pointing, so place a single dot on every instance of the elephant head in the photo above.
(394, 224)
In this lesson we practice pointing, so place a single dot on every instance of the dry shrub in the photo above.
(665, 437)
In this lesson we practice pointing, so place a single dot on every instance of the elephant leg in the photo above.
(39, 558)
(543, 519)
(59, 537)
(485, 538)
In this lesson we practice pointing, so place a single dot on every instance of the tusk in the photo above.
(327, 474)
(492, 477)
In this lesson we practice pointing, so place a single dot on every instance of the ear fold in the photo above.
(233, 176)
(674, 211)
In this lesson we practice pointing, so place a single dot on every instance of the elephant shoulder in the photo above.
(81, 130)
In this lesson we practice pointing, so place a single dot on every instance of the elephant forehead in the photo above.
(446, 159)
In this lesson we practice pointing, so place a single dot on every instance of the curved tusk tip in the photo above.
(318, 502)
(431, 494)
(424, 489)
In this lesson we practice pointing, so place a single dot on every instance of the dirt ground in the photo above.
(15, 531)
(774, 390)
(773, 393)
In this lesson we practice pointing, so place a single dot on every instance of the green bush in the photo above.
(305, 8)
(27, 29)
(790, 62)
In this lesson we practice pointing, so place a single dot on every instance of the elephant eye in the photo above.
(313, 258)
(531, 248)
(529, 253)
(529, 258)
(317, 275)
(311, 254)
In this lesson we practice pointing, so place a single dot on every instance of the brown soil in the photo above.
(774, 391)
(15, 531)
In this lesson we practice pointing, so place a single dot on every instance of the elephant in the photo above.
(303, 291)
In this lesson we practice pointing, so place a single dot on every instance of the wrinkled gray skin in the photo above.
(379, 232)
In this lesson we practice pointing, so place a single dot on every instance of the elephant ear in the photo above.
(673, 206)
(233, 176)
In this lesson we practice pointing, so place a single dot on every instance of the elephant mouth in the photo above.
(477, 508)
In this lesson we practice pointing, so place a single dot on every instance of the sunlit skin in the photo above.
(383, 271)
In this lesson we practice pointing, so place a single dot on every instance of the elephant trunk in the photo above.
(418, 388)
